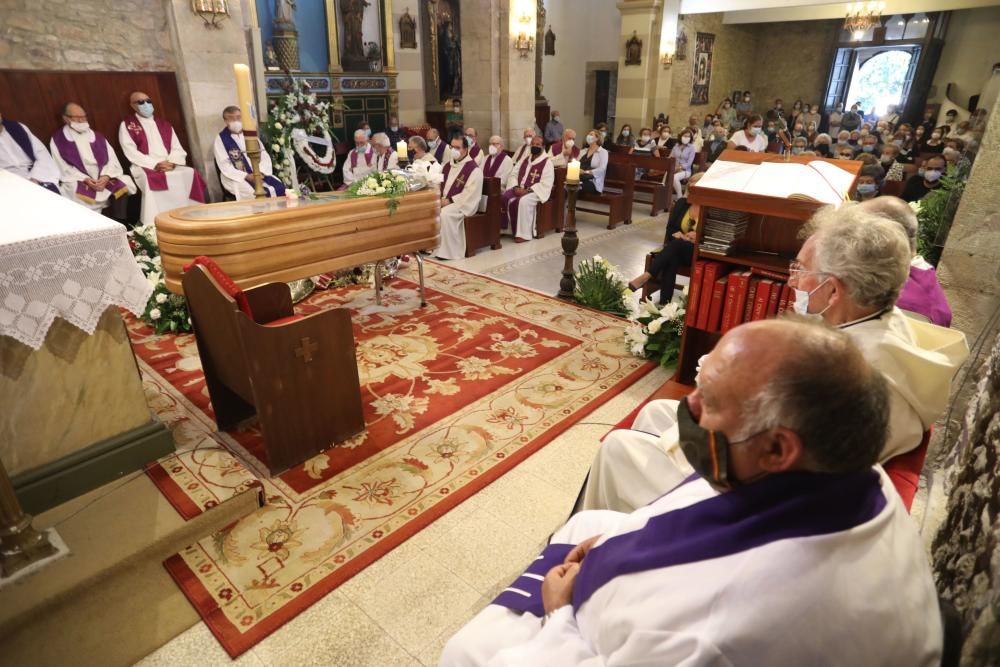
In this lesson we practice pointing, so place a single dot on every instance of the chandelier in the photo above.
(862, 17)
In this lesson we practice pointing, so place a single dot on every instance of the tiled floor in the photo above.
(403, 608)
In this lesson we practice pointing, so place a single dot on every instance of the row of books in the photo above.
(720, 297)
(722, 228)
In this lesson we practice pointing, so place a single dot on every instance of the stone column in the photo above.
(205, 77)
(670, 18)
(481, 35)
(637, 84)
(517, 72)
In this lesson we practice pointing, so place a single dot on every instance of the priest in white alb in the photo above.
(475, 151)
(385, 152)
(22, 154)
(438, 147)
(529, 185)
(360, 160)
(89, 171)
(524, 150)
(563, 152)
(460, 192)
(497, 165)
(787, 546)
(848, 274)
(158, 161)
(235, 168)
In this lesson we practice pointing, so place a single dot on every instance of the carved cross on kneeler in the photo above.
(308, 347)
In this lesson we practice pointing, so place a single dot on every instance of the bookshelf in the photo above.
(768, 244)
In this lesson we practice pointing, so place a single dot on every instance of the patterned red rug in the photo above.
(455, 395)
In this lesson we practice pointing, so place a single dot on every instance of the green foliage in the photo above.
(937, 210)
(165, 311)
(601, 287)
(381, 184)
(656, 332)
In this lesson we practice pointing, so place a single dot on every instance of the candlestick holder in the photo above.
(570, 242)
(20, 544)
(253, 152)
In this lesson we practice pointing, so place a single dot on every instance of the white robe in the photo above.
(16, 161)
(233, 179)
(480, 156)
(453, 215)
(386, 162)
(857, 596)
(527, 206)
(69, 175)
(352, 174)
(179, 179)
(503, 173)
(521, 153)
(918, 359)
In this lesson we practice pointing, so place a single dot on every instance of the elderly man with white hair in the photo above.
(360, 160)
(848, 274)
(562, 152)
(497, 165)
(475, 151)
(437, 147)
(385, 156)
(787, 547)
(524, 150)
(418, 146)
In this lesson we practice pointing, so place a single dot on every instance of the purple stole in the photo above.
(521, 151)
(459, 183)
(509, 200)
(790, 505)
(492, 165)
(368, 158)
(21, 138)
(557, 149)
(239, 160)
(474, 151)
(923, 294)
(439, 151)
(70, 154)
(157, 180)
(384, 160)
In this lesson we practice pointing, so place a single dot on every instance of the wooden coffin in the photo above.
(269, 240)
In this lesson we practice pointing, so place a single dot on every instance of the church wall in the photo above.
(970, 49)
(410, 81)
(311, 23)
(587, 31)
(481, 34)
(792, 61)
(102, 36)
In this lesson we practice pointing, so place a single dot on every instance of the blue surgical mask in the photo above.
(755, 131)
(146, 109)
(796, 150)
(589, 139)
(625, 133)
(368, 133)
(868, 148)
(867, 188)
(898, 142)
(932, 175)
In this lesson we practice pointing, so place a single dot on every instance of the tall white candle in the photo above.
(244, 93)
(573, 171)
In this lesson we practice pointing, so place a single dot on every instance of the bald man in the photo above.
(497, 165)
(22, 154)
(158, 160)
(562, 152)
(89, 171)
(524, 150)
(438, 148)
(360, 160)
(475, 152)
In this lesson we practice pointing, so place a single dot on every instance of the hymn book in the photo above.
(816, 181)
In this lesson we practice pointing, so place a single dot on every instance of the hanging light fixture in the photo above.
(862, 17)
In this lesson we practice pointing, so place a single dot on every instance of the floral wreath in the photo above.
(322, 165)
(291, 119)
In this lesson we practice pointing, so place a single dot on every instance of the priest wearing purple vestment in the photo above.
(460, 192)
(235, 169)
(497, 165)
(89, 171)
(528, 186)
(21, 153)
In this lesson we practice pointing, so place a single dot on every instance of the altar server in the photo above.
(23, 154)
(89, 171)
(234, 165)
(158, 161)
(460, 192)
(562, 152)
(475, 152)
(527, 186)
(360, 160)
(849, 274)
(438, 148)
(786, 548)
(385, 153)
(524, 150)
(498, 165)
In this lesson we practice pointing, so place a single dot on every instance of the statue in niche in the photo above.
(407, 31)
(284, 13)
(449, 58)
(353, 14)
(633, 50)
(550, 42)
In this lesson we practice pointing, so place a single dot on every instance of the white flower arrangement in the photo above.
(656, 330)
(165, 311)
(291, 120)
(381, 184)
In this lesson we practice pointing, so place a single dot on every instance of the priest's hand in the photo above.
(90, 183)
(249, 178)
(102, 183)
(557, 587)
(445, 201)
(165, 165)
(520, 191)
(578, 552)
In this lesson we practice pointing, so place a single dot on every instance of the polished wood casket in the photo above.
(267, 240)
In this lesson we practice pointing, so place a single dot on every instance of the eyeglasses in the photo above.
(79, 119)
(798, 267)
(145, 101)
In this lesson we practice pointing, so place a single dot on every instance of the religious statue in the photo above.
(285, 38)
(407, 31)
(633, 50)
(270, 57)
(284, 13)
(550, 42)
(449, 58)
(353, 14)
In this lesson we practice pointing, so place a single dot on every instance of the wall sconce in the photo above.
(525, 40)
(667, 59)
(524, 43)
(211, 11)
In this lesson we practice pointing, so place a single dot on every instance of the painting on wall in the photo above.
(359, 24)
(443, 52)
(701, 68)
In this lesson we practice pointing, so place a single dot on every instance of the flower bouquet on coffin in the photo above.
(656, 330)
(428, 173)
(381, 184)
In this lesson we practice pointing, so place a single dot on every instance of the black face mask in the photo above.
(706, 451)
(536, 151)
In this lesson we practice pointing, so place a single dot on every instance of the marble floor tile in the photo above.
(196, 646)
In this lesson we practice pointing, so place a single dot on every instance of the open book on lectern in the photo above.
(817, 181)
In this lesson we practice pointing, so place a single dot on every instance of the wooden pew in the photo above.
(619, 204)
(550, 214)
(658, 187)
(893, 188)
(483, 229)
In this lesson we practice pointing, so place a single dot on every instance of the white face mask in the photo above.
(433, 143)
(802, 302)
(570, 143)
(493, 150)
(80, 127)
(527, 140)
(685, 139)
(555, 118)
(236, 126)
(394, 128)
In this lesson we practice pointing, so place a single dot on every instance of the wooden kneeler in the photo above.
(298, 375)
(483, 229)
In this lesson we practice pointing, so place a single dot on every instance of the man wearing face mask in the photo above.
(554, 129)
(461, 190)
(928, 178)
(497, 165)
(89, 171)
(395, 132)
(475, 152)
(235, 168)
(869, 178)
(360, 160)
(849, 274)
(562, 152)
(438, 147)
(158, 160)
(21, 153)
(772, 553)
(529, 185)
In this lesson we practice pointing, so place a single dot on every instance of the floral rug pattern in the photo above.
(455, 395)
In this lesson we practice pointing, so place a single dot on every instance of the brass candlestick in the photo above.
(20, 544)
(253, 152)
(569, 244)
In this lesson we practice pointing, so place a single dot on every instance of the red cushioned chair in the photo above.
(297, 375)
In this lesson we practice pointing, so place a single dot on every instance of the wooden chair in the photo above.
(619, 204)
(550, 214)
(483, 229)
(653, 285)
(656, 182)
(298, 375)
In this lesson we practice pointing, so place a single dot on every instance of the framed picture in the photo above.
(701, 67)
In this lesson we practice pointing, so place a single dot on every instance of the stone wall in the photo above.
(792, 61)
(409, 63)
(38, 35)
(970, 49)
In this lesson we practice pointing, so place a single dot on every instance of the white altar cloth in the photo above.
(60, 259)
